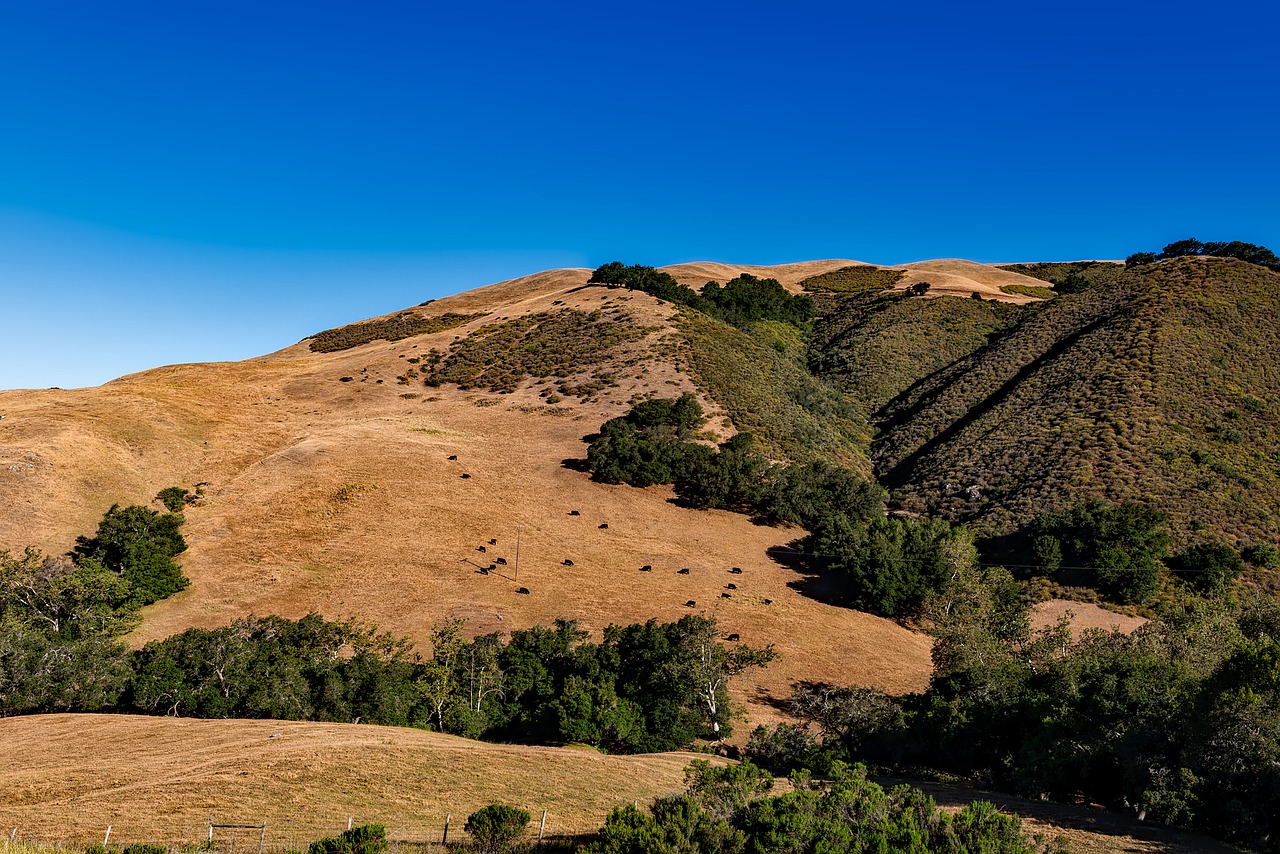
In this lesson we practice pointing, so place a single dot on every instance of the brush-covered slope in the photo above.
(1156, 384)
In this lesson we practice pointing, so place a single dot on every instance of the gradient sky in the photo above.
(203, 181)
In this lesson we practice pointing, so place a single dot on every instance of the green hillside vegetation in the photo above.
(875, 346)
(1176, 723)
(406, 324)
(759, 377)
(560, 344)
(1248, 252)
(729, 810)
(853, 280)
(1069, 277)
(1152, 385)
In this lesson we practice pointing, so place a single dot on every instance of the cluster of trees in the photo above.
(728, 810)
(740, 301)
(886, 564)
(61, 617)
(1178, 722)
(1249, 252)
(645, 687)
(1122, 550)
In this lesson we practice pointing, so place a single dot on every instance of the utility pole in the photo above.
(517, 552)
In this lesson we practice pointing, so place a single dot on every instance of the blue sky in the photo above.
(190, 182)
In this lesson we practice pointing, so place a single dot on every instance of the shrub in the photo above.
(919, 289)
(1261, 555)
(144, 848)
(1138, 258)
(1208, 567)
(495, 826)
(366, 839)
(174, 498)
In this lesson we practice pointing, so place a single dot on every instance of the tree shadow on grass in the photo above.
(827, 588)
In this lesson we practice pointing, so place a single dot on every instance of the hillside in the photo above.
(1157, 384)
(160, 779)
(340, 496)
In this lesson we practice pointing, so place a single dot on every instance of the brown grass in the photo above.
(161, 779)
(1083, 615)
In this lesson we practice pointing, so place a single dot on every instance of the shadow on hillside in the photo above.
(574, 464)
(824, 588)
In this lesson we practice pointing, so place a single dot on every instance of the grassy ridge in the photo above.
(1156, 384)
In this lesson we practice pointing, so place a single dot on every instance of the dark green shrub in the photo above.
(919, 289)
(366, 839)
(496, 826)
(174, 498)
(1261, 555)
(1208, 567)
(1138, 258)
(403, 325)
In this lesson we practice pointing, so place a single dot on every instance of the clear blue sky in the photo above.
(199, 181)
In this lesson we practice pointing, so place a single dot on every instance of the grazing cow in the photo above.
(493, 542)
(768, 601)
(691, 604)
(725, 595)
(567, 562)
(522, 590)
(453, 456)
(683, 571)
(464, 476)
(737, 570)
(646, 568)
(731, 587)
(734, 637)
(502, 561)
(603, 525)
(574, 513)
(492, 566)
(479, 548)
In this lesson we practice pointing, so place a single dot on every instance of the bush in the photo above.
(1208, 567)
(1261, 555)
(495, 826)
(143, 848)
(1139, 258)
(366, 839)
(174, 498)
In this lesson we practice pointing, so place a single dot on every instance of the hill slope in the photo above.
(1158, 385)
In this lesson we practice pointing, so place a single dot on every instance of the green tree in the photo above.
(139, 544)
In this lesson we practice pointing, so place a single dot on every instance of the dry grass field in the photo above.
(162, 779)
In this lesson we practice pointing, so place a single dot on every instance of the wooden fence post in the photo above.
(262, 837)
(106, 836)
(348, 822)
(444, 840)
(542, 827)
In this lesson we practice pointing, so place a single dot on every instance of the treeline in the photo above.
(1238, 249)
(1177, 723)
(729, 810)
(887, 564)
(740, 301)
(645, 687)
